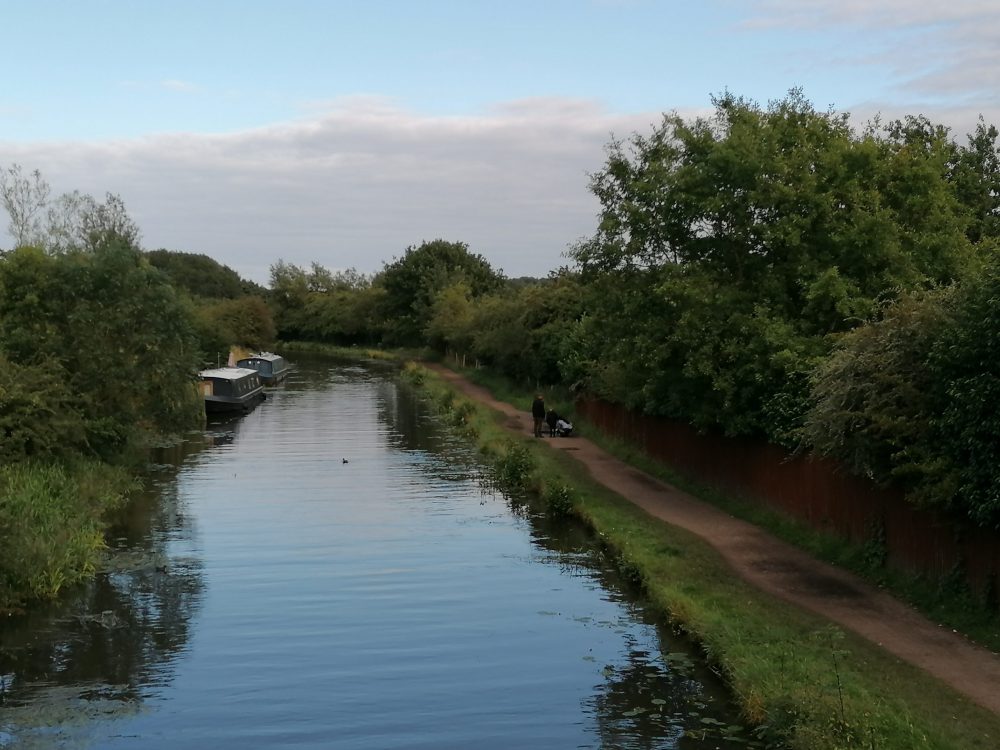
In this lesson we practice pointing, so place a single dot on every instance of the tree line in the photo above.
(769, 271)
(766, 270)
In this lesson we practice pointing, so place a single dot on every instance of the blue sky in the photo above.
(341, 132)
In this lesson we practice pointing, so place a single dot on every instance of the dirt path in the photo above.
(782, 570)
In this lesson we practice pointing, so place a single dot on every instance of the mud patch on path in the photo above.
(805, 580)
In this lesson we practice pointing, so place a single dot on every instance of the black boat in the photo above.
(231, 389)
(271, 367)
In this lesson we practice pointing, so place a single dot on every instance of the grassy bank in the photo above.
(52, 523)
(346, 352)
(948, 601)
(800, 681)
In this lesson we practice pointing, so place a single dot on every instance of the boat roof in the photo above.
(227, 373)
(270, 356)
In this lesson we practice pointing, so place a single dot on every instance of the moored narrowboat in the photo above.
(272, 368)
(231, 389)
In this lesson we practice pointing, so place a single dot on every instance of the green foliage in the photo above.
(523, 330)
(965, 369)
(244, 322)
(51, 526)
(559, 499)
(872, 400)
(911, 398)
(318, 305)
(344, 316)
(976, 176)
(412, 283)
(116, 329)
(451, 325)
(197, 274)
(513, 468)
(39, 414)
(731, 249)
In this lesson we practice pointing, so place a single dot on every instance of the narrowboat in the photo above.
(231, 389)
(271, 367)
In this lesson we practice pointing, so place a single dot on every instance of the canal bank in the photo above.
(770, 630)
(329, 571)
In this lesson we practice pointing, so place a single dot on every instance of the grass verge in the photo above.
(948, 601)
(803, 683)
(349, 352)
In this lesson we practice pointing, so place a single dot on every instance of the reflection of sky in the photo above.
(384, 602)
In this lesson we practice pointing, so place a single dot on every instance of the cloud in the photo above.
(355, 183)
(869, 14)
(181, 86)
(936, 50)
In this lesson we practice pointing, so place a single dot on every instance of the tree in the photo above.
(288, 296)
(964, 365)
(735, 249)
(413, 281)
(73, 221)
(198, 274)
(450, 327)
(115, 327)
(24, 197)
(107, 223)
(976, 175)
(39, 414)
(244, 322)
(873, 399)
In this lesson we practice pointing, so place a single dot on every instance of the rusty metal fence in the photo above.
(814, 490)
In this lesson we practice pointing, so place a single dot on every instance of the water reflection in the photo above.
(106, 647)
(658, 693)
(264, 593)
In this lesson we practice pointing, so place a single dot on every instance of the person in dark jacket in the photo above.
(538, 413)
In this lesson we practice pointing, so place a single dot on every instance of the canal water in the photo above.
(329, 572)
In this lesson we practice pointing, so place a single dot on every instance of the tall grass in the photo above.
(52, 521)
(802, 683)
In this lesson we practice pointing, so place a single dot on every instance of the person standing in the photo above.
(538, 413)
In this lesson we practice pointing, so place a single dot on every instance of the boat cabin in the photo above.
(271, 367)
(230, 389)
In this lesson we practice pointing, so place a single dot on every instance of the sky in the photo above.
(342, 133)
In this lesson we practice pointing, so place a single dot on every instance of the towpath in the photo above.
(783, 570)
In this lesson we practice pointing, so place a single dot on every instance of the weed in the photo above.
(52, 526)
(559, 499)
(512, 470)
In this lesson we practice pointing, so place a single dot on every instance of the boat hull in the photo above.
(232, 404)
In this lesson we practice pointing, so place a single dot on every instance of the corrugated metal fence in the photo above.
(813, 490)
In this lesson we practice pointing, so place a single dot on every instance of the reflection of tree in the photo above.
(656, 698)
(108, 643)
(416, 427)
(645, 705)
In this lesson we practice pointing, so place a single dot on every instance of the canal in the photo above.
(329, 572)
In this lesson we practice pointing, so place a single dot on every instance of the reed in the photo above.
(52, 523)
